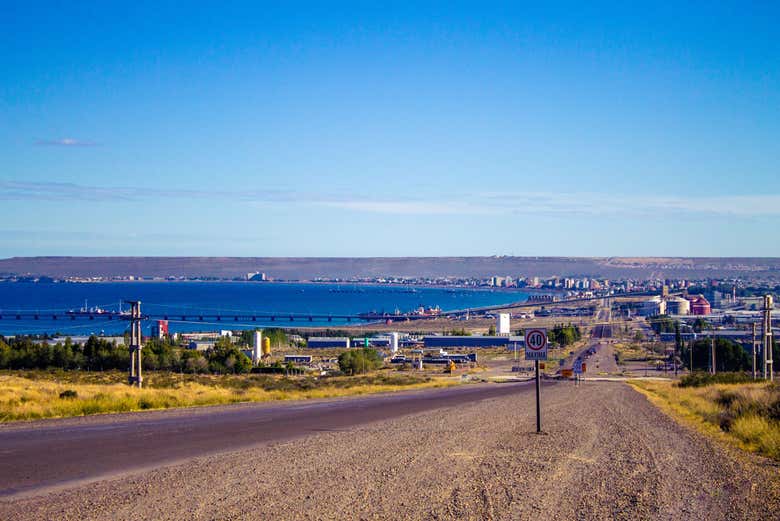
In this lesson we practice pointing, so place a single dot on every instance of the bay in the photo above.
(192, 298)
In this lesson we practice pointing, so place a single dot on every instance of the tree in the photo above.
(662, 324)
(226, 357)
(677, 337)
(700, 325)
(357, 361)
(492, 330)
(729, 356)
(564, 335)
(194, 362)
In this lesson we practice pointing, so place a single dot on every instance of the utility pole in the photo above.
(767, 338)
(712, 353)
(754, 350)
(677, 345)
(135, 377)
(690, 352)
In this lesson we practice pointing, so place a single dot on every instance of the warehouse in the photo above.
(297, 359)
(328, 342)
(472, 341)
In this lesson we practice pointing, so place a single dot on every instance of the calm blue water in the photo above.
(176, 298)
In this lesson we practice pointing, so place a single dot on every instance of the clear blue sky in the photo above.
(151, 128)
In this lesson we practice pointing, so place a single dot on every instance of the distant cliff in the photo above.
(330, 267)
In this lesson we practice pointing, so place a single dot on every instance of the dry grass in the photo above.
(632, 351)
(744, 415)
(38, 396)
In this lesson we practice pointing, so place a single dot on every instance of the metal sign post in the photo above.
(536, 350)
(578, 370)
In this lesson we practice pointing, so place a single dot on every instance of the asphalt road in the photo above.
(41, 456)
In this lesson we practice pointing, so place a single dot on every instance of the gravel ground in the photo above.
(607, 454)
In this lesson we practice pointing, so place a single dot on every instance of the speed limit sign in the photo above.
(536, 344)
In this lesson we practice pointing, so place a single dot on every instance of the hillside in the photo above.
(309, 268)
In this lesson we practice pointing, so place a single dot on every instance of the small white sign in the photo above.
(536, 344)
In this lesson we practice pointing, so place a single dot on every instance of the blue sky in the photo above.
(151, 128)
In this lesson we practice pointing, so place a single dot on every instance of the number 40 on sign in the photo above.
(536, 344)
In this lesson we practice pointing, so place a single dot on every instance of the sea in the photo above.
(177, 299)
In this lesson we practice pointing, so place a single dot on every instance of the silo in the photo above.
(393, 343)
(502, 324)
(257, 347)
(678, 306)
(266, 346)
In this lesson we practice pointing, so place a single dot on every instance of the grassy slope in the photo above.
(36, 394)
(740, 419)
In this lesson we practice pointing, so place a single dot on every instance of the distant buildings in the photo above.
(160, 329)
(694, 305)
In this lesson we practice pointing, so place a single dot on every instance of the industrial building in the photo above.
(80, 340)
(160, 329)
(434, 358)
(297, 359)
(201, 345)
(473, 341)
(321, 342)
(371, 341)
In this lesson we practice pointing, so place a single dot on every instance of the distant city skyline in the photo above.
(347, 130)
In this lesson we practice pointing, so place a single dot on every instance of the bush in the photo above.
(699, 379)
(68, 393)
(356, 361)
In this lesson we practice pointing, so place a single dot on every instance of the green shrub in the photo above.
(68, 393)
(699, 379)
(357, 361)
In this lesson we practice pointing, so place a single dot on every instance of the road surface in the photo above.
(603, 359)
(53, 453)
(606, 454)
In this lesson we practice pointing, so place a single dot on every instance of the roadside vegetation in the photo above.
(564, 335)
(359, 361)
(631, 352)
(99, 354)
(27, 395)
(745, 414)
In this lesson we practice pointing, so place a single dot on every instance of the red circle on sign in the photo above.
(536, 340)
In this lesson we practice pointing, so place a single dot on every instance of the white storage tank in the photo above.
(257, 347)
(393, 343)
(678, 306)
(502, 324)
